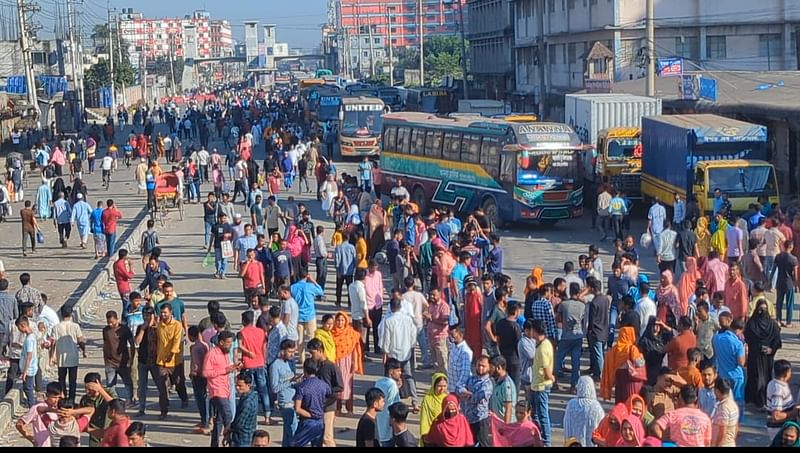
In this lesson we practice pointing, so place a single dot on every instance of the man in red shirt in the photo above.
(253, 344)
(123, 274)
(109, 219)
(252, 273)
(736, 293)
(114, 435)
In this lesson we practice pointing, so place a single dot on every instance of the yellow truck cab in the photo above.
(619, 158)
(743, 180)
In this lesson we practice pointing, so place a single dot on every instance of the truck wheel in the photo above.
(421, 201)
(490, 209)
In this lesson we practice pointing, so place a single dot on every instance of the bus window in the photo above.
(508, 167)
(452, 145)
(490, 155)
(403, 139)
(433, 144)
(470, 149)
(418, 142)
(389, 139)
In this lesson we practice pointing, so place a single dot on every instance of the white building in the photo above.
(490, 34)
(364, 45)
(708, 34)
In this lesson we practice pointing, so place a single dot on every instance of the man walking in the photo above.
(169, 334)
(309, 403)
(542, 379)
(118, 350)
(399, 335)
(217, 369)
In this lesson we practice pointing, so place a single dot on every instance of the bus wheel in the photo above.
(418, 197)
(490, 210)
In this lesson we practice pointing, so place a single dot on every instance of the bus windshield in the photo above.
(546, 168)
(741, 181)
(329, 107)
(624, 148)
(362, 120)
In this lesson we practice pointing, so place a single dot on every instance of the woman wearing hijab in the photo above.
(78, 187)
(652, 346)
(450, 429)
(617, 359)
(325, 335)
(703, 236)
(431, 405)
(719, 242)
(523, 433)
(59, 187)
(583, 413)
(608, 432)
(669, 310)
(637, 406)
(688, 283)
(376, 219)
(295, 241)
(788, 436)
(763, 338)
(631, 432)
(348, 357)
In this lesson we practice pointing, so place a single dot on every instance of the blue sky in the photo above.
(298, 21)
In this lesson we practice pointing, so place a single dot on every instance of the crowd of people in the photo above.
(678, 360)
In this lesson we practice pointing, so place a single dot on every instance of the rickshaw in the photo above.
(168, 194)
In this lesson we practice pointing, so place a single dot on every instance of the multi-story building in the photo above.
(367, 53)
(153, 38)
(490, 35)
(708, 34)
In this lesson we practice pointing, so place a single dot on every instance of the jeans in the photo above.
(260, 384)
(64, 230)
(29, 235)
(540, 402)
(72, 371)
(27, 390)
(617, 224)
(200, 387)
(656, 241)
(309, 430)
(207, 233)
(122, 372)
(322, 271)
(222, 419)
(174, 374)
(422, 340)
(605, 223)
(573, 348)
(612, 323)
(375, 316)
(220, 263)
(111, 241)
(142, 384)
(784, 295)
(340, 281)
(289, 426)
(596, 350)
(409, 387)
(769, 271)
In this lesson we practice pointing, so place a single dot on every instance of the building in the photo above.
(708, 35)
(251, 43)
(490, 35)
(367, 53)
(193, 36)
(270, 51)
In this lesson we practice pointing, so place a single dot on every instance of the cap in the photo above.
(80, 196)
(237, 216)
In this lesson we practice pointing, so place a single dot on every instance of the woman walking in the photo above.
(348, 358)
(763, 338)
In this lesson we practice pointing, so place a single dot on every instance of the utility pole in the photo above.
(797, 44)
(144, 71)
(371, 49)
(27, 61)
(110, 51)
(119, 50)
(421, 33)
(391, 53)
(651, 48)
(171, 66)
(358, 33)
(77, 60)
(541, 53)
(463, 49)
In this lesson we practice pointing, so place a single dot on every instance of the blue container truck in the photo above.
(697, 154)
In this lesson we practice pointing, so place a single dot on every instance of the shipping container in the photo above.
(588, 114)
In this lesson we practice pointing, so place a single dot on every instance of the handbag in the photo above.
(227, 249)
(635, 372)
(39, 237)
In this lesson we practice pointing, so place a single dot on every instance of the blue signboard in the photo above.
(330, 100)
(708, 89)
(670, 66)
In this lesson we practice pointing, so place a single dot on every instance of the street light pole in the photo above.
(421, 33)
(391, 54)
(463, 49)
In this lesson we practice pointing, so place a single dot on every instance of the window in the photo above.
(490, 155)
(470, 149)
(452, 146)
(551, 58)
(571, 4)
(417, 142)
(687, 47)
(551, 6)
(389, 139)
(365, 53)
(572, 52)
(433, 144)
(508, 168)
(376, 40)
(716, 48)
(403, 139)
(769, 45)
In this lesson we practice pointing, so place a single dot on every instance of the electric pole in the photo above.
(541, 53)
(110, 51)
(421, 33)
(144, 71)
(651, 48)
(463, 49)
(371, 49)
(171, 66)
(391, 54)
(27, 61)
(358, 27)
(119, 50)
(77, 61)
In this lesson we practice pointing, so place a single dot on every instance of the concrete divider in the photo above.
(8, 408)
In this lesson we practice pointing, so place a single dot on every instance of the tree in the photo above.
(442, 58)
(99, 75)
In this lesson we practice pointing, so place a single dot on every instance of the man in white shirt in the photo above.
(397, 342)
(419, 305)
(202, 160)
(400, 191)
(645, 307)
(68, 338)
(106, 165)
(358, 302)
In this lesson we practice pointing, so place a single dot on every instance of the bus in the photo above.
(360, 126)
(432, 100)
(513, 171)
(326, 107)
(308, 83)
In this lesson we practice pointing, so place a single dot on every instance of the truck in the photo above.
(611, 123)
(697, 154)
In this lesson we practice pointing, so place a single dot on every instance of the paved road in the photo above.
(525, 245)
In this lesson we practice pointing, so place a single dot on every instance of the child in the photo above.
(398, 413)
(198, 352)
(691, 372)
(780, 404)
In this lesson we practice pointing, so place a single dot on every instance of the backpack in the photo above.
(49, 172)
(149, 242)
(40, 159)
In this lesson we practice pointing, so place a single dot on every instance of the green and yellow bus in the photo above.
(513, 171)
(360, 126)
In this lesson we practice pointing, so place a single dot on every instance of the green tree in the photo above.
(442, 58)
(99, 75)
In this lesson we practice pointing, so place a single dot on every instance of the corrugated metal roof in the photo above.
(716, 129)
